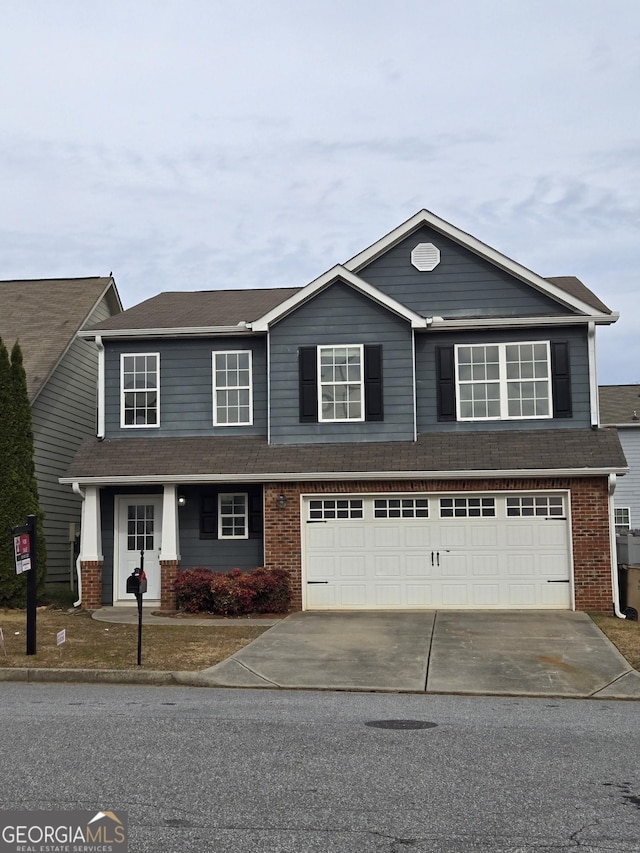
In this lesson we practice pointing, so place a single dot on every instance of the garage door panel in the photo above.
(419, 535)
(351, 566)
(519, 535)
(322, 567)
(552, 533)
(353, 595)
(387, 565)
(453, 565)
(454, 595)
(522, 595)
(485, 595)
(484, 536)
(521, 564)
(486, 565)
(554, 594)
(351, 536)
(453, 535)
(417, 565)
(419, 595)
(389, 595)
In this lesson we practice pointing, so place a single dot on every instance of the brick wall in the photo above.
(91, 574)
(589, 520)
(168, 574)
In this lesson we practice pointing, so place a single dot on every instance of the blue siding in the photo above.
(186, 386)
(462, 285)
(426, 377)
(340, 315)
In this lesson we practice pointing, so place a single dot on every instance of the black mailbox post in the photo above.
(137, 585)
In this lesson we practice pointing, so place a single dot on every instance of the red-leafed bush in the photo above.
(235, 593)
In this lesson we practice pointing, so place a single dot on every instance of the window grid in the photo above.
(335, 508)
(232, 394)
(139, 389)
(340, 373)
(541, 507)
(401, 508)
(622, 519)
(467, 507)
(140, 527)
(232, 516)
(503, 381)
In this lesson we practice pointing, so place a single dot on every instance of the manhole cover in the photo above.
(401, 724)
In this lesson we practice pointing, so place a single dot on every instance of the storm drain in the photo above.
(401, 724)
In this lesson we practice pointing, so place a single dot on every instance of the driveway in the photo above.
(527, 653)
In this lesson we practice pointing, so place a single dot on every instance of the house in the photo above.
(44, 316)
(416, 428)
(620, 408)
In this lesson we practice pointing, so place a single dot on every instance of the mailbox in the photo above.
(137, 582)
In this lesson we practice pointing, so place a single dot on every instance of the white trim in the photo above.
(613, 554)
(622, 509)
(215, 389)
(414, 385)
(170, 533)
(337, 273)
(346, 476)
(321, 384)
(174, 332)
(594, 401)
(268, 343)
(101, 387)
(439, 324)
(425, 217)
(90, 527)
(124, 390)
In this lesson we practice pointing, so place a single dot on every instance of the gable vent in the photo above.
(425, 257)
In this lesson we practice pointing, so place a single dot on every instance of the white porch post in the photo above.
(170, 547)
(90, 533)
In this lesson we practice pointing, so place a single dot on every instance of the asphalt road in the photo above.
(243, 771)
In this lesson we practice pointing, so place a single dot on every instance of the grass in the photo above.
(624, 634)
(104, 645)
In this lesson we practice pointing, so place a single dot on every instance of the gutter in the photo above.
(593, 378)
(101, 426)
(78, 491)
(612, 547)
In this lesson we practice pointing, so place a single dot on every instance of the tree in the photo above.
(18, 485)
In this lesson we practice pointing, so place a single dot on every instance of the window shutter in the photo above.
(255, 515)
(561, 379)
(373, 402)
(446, 383)
(209, 517)
(307, 374)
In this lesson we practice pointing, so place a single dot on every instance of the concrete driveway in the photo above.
(550, 653)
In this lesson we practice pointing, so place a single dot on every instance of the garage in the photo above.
(456, 550)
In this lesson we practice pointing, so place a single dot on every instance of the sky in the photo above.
(204, 145)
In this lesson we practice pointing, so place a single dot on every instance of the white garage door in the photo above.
(426, 551)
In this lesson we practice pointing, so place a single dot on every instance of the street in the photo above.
(300, 771)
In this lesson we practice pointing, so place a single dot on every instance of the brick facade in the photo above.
(91, 575)
(589, 525)
(168, 574)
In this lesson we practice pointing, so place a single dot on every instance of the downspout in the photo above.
(612, 548)
(100, 346)
(593, 376)
(78, 491)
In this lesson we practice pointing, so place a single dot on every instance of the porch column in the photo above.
(91, 558)
(169, 551)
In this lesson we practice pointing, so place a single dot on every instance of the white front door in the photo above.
(138, 529)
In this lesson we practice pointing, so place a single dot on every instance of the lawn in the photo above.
(624, 634)
(102, 645)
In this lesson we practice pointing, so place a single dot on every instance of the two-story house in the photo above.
(416, 428)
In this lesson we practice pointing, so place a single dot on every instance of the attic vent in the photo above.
(425, 257)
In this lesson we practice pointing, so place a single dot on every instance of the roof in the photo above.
(44, 315)
(245, 459)
(574, 287)
(620, 405)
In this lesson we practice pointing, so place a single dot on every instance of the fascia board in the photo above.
(178, 332)
(317, 285)
(425, 217)
(522, 322)
(323, 476)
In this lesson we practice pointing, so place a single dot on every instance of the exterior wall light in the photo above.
(182, 501)
(281, 501)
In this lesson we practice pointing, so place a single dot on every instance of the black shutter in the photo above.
(308, 381)
(255, 514)
(373, 401)
(561, 379)
(446, 383)
(209, 516)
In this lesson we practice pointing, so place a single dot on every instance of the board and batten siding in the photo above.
(63, 414)
(186, 386)
(462, 285)
(627, 493)
(340, 316)
(427, 342)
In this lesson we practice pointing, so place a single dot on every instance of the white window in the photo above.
(467, 507)
(540, 507)
(140, 389)
(503, 381)
(341, 380)
(622, 519)
(232, 516)
(332, 508)
(232, 388)
(401, 508)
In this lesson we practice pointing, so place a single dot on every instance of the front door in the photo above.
(139, 529)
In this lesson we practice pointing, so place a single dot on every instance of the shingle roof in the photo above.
(197, 309)
(238, 458)
(45, 315)
(620, 404)
(574, 287)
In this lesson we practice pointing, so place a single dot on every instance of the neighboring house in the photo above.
(45, 316)
(620, 408)
(416, 428)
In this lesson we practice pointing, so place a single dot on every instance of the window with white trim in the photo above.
(323, 509)
(503, 381)
(467, 507)
(140, 389)
(232, 388)
(341, 382)
(401, 508)
(622, 519)
(232, 516)
(540, 506)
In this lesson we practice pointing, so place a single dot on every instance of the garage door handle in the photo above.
(432, 558)
(317, 581)
(564, 581)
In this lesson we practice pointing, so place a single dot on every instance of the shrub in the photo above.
(234, 593)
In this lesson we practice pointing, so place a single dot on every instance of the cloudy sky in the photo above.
(255, 143)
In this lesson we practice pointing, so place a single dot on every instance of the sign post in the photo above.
(25, 547)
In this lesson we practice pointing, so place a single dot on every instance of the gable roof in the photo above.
(44, 315)
(570, 452)
(620, 405)
(567, 290)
